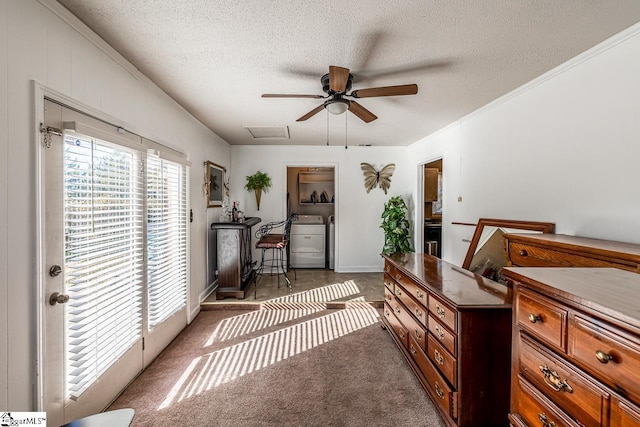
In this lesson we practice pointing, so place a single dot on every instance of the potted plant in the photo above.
(257, 183)
(396, 227)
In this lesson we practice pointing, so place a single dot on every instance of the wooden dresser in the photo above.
(454, 328)
(559, 250)
(576, 347)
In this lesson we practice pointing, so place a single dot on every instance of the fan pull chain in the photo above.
(327, 128)
(345, 130)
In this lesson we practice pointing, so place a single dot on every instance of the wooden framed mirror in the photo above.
(485, 255)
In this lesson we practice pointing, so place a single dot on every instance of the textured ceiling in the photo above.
(217, 57)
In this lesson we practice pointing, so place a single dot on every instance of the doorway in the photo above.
(432, 211)
(311, 194)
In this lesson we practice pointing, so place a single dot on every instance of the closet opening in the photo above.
(311, 195)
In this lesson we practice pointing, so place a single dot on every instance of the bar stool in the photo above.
(277, 243)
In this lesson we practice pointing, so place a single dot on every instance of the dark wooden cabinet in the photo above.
(576, 347)
(454, 329)
(234, 264)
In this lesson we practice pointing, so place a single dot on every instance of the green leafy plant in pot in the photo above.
(258, 182)
(396, 227)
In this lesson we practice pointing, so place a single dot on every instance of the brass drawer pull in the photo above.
(533, 318)
(398, 277)
(523, 253)
(603, 357)
(397, 311)
(439, 391)
(440, 333)
(419, 294)
(440, 311)
(398, 293)
(438, 357)
(387, 269)
(413, 350)
(402, 335)
(418, 334)
(552, 379)
(419, 312)
(386, 313)
(545, 422)
(388, 283)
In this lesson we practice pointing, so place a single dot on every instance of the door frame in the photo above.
(336, 205)
(419, 232)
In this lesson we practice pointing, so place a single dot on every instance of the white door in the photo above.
(94, 255)
(167, 263)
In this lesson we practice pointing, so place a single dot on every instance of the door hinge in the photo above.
(143, 344)
(46, 134)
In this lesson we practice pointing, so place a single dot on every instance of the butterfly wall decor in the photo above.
(373, 177)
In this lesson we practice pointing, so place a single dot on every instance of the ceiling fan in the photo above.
(336, 84)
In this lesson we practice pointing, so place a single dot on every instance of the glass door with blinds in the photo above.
(115, 248)
(166, 283)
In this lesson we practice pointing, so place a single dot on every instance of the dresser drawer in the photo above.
(414, 329)
(542, 318)
(439, 387)
(442, 335)
(532, 256)
(608, 353)
(410, 286)
(624, 414)
(400, 331)
(388, 294)
(443, 312)
(388, 283)
(525, 255)
(564, 385)
(442, 360)
(417, 309)
(536, 410)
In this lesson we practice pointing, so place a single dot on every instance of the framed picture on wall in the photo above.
(214, 184)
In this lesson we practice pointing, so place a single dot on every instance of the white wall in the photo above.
(37, 44)
(358, 236)
(563, 148)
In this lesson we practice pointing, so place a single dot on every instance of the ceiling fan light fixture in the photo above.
(337, 106)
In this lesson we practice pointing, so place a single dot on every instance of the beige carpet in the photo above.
(301, 366)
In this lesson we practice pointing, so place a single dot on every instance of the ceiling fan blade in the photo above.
(338, 78)
(411, 89)
(362, 113)
(311, 113)
(285, 95)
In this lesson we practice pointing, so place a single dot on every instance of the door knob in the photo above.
(58, 298)
(55, 270)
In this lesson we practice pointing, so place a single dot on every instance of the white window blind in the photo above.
(166, 239)
(104, 256)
